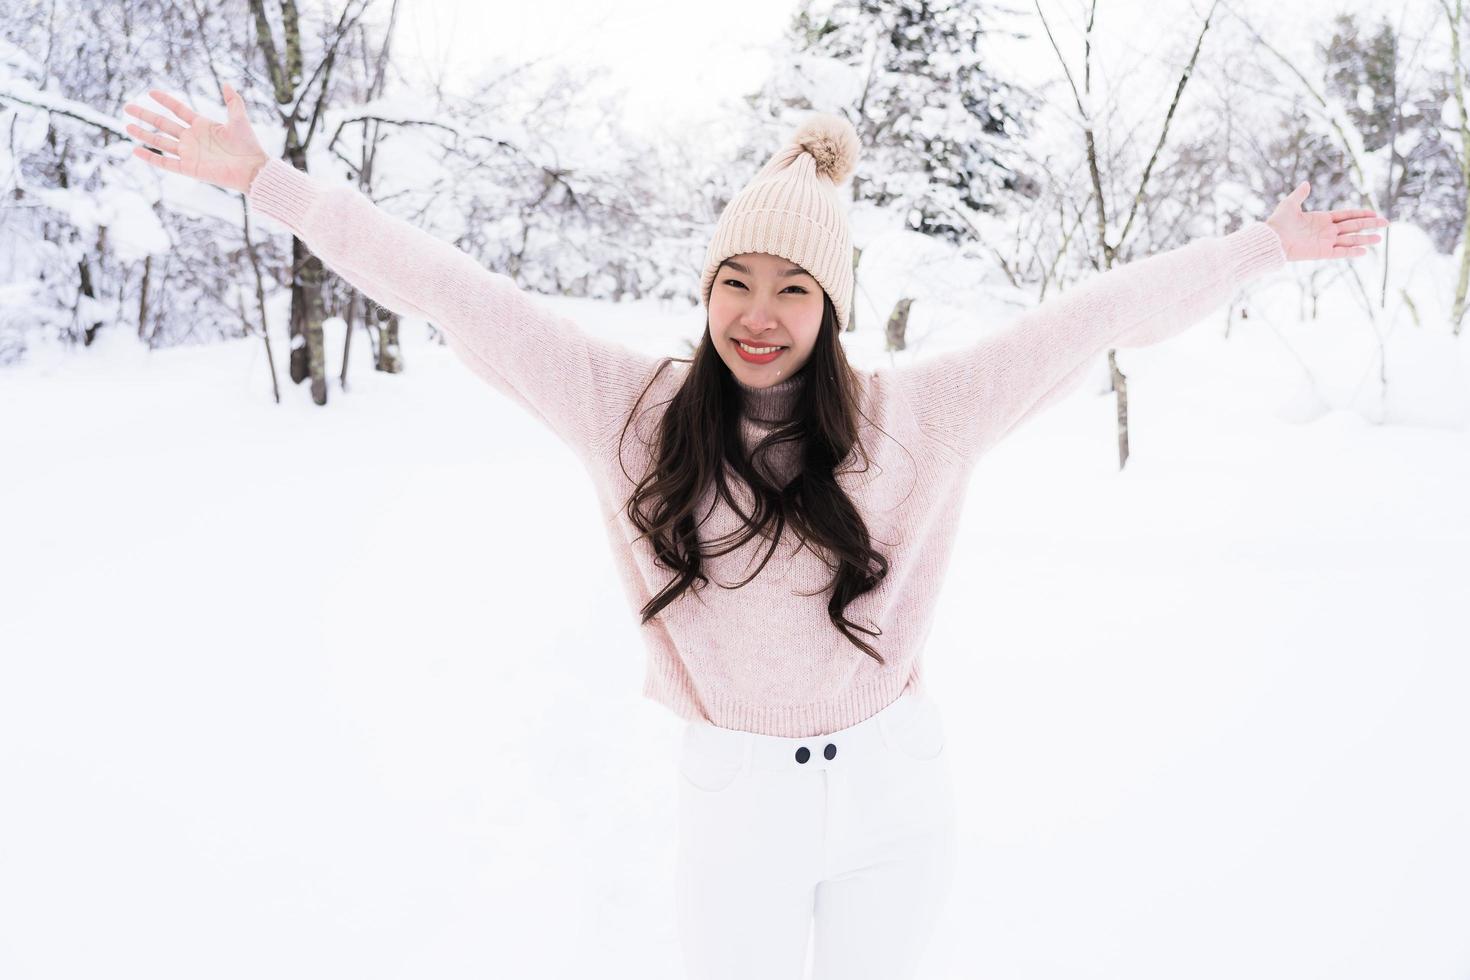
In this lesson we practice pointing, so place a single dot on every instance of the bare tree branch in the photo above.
(1321, 100)
(1164, 133)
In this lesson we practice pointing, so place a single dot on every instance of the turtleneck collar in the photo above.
(773, 403)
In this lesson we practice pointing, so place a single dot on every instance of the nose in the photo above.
(756, 318)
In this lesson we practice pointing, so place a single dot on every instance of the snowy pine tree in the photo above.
(939, 130)
(1398, 113)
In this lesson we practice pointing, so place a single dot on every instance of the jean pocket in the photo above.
(711, 759)
(912, 727)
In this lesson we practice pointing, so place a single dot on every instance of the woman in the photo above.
(815, 796)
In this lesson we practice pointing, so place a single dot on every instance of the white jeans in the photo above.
(852, 848)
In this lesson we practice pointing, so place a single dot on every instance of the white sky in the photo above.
(673, 56)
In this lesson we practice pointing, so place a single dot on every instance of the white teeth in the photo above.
(757, 350)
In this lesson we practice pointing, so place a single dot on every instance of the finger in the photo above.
(1347, 252)
(156, 159)
(174, 105)
(1358, 224)
(155, 120)
(154, 139)
(234, 105)
(1345, 215)
(1358, 239)
(1300, 194)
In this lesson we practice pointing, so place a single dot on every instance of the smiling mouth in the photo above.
(751, 358)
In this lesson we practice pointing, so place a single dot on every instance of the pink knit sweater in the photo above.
(786, 671)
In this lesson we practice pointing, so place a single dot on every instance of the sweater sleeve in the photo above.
(573, 382)
(968, 399)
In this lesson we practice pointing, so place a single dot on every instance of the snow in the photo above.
(1365, 97)
(133, 228)
(1449, 114)
(353, 691)
(16, 88)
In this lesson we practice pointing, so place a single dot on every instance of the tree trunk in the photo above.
(308, 359)
(143, 296)
(84, 269)
(857, 255)
(1120, 385)
(1389, 194)
(350, 319)
(1456, 16)
(898, 324)
(265, 331)
(390, 357)
(86, 288)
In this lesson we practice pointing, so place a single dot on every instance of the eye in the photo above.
(801, 290)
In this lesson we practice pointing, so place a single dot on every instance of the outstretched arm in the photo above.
(575, 383)
(970, 398)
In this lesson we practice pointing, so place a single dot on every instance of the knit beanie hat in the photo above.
(791, 209)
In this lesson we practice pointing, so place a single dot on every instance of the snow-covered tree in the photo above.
(939, 130)
(1397, 110)
(80, 241)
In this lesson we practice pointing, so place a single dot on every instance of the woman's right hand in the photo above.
(227, 154)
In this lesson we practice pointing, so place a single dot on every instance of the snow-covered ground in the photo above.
(353, 692)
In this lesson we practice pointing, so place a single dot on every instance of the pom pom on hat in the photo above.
(833, 143)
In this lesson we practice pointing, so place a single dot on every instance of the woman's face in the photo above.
(766, 301)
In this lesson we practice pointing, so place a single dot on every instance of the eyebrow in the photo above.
(796, 271)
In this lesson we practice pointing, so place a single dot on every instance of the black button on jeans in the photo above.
(830, 751)
(803, 754)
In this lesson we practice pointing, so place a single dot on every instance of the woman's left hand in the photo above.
(1322, 234)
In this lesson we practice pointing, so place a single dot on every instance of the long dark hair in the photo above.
(699, 441)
